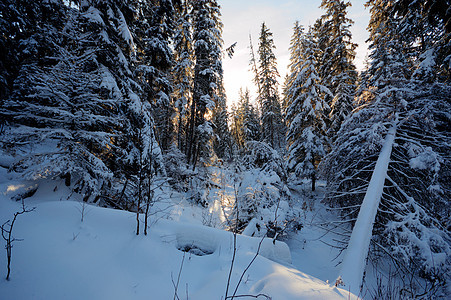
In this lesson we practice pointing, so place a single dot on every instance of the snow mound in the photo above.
(201, 240)
(196, 240)
(288, 281)
(61, 257)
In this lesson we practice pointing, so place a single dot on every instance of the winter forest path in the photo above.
(310, 247)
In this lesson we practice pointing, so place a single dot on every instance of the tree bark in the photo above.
(313, 182)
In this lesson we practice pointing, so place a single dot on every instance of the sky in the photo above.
(244, 17)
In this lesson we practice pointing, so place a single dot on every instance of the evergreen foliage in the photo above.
(335, 65)
(207, 30)
(153, 31)
(245, 123)
(268, 93)
(182, 73)
(76, 111)
(294, 66)
(411, 225)
(108, 94)
(306, 110)
(222, 142)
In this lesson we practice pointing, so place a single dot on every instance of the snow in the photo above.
(61, 257)
(354, 262)
(93, 14)
(424, 159)
(109, 82)
(125, 31)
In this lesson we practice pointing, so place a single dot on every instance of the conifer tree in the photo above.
(268, 93)
(63, 100)
(294, 66)
(306, 139)
(207, 31)
(182, 73)
(245, 123)
(125, 63)
(222, 142)
(222, 139)
(80, 96)
(19, 21)
(335, 64)
(153, 31)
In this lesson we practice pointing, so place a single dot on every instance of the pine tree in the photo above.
(61, 100)
(245, 122)
(207, 74)
(153, 30)
(222, 142)
(306, 139)
(294, 66)
(335, 65)
(182, 73)
(268, 93)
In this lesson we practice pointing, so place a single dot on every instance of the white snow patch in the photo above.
(61, 257)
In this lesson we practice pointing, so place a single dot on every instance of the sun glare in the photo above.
(13, 188)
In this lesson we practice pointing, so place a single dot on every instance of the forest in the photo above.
(115, 111)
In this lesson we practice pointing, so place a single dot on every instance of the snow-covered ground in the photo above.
(61, 257)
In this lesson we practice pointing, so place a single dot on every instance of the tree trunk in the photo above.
(137, 218)
(313, 175)
(313, 182)
(354, 262)
(192, 129)
(139, 203)
(8, 254)
(150, 194)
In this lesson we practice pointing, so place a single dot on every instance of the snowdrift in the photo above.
(61, 257)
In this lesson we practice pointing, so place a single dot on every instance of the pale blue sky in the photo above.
(244, 17)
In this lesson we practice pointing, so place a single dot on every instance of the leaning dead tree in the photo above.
(353, 267)
(411, 212)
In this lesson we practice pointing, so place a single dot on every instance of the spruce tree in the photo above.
(306, 140)
(222, 142)
(294, 67)
(335, 64)
(182, 73)
(154, 28)
(268, 93)
(222, 139)
(207, 75)
(18, 23)
(80, 96)
(141, 153)
(64, 100)
(245, 122)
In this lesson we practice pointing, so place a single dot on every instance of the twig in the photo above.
(178, 277)
(7, 235)
(175, 288)
(234, 241)
(251, 296)
(248, 266)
